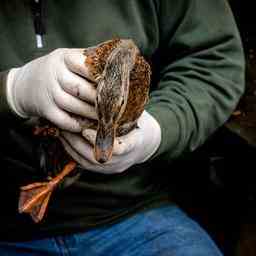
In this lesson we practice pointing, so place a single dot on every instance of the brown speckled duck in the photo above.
(122, 78)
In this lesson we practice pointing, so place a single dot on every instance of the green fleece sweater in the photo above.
(198, 78)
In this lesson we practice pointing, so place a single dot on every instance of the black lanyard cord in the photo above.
(38, 12)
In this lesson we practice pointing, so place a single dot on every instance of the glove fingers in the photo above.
(126, 143)
(80, 146)
(75, 155)
(81, 153)
(88, 165)
(74, 105)
(77, 86)
(63, 120)
(90, 135)
(75, 62)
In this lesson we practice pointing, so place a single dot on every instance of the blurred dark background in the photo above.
(219, 190)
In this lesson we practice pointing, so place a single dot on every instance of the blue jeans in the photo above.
(162, 231)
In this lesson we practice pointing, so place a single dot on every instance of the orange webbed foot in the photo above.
(34, 198)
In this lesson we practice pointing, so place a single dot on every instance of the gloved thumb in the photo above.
(75, 62)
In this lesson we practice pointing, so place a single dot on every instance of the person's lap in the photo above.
(162, 231)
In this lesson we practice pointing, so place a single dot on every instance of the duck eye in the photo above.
(98, 98)
(122, 102)
(99, 115)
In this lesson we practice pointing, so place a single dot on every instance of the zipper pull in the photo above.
(39, 41)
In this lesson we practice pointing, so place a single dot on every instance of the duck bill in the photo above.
(104, 144)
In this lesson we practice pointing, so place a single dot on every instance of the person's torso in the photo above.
(72, 24)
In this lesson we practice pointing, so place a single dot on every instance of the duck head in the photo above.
(112, 95)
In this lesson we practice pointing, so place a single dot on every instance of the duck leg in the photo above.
(34, 197)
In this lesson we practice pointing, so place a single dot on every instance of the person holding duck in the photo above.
(118, 201)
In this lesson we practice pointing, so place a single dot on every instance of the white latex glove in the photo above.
(134, 148)
(50, 87)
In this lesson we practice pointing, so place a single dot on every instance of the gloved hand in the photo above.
(52, 87)
(134, 148)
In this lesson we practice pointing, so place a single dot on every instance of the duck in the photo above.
(122, 78)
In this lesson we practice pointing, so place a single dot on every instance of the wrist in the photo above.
(10, 94)
(170, 128)
(153, 136)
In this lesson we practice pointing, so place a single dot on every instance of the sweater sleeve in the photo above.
(6, 113)
(201, 72)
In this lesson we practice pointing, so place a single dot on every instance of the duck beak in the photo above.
(104, 144)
